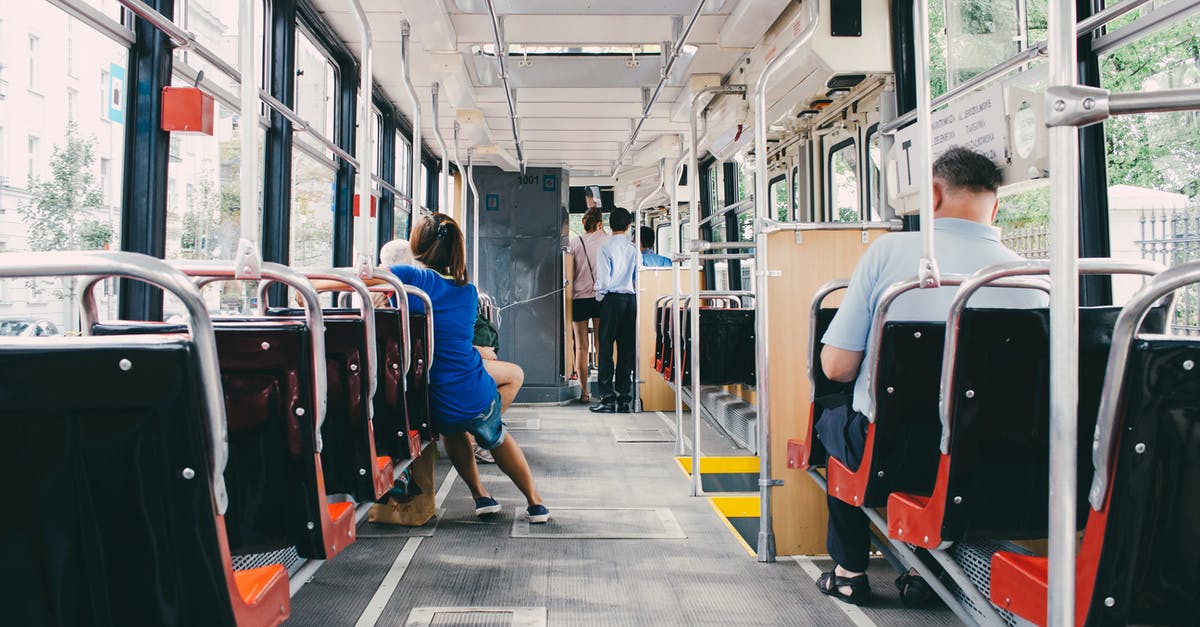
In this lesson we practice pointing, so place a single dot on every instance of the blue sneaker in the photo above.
(486, 506)
(537, 514)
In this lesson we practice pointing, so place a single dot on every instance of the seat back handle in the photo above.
(392, 283)
(420, 293)
(97, 266)
(1112, 397)
(350, 279)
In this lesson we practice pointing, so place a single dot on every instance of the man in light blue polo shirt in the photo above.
(965, 204)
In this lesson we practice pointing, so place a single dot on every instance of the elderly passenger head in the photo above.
(964, 186)
(396, 253)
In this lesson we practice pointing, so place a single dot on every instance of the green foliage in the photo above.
(1158, 151)
(56, 212)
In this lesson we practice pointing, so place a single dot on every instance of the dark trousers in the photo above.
(618, 324)
(849, 537)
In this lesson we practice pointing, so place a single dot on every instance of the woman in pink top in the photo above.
(585, 249)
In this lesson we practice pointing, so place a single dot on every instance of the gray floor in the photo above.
(705, 578)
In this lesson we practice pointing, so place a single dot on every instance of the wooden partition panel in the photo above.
(653, 283)
(804, 263)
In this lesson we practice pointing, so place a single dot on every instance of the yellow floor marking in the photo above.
(737, 506)
(721, 465)
(731, 528)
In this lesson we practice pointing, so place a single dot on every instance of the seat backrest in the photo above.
(907, 428)
(345, 454)
(418, 377)
(1150, 561)
(391, 410)
(112, 521)
(271, 474)
(1000, 439)
(727, 345)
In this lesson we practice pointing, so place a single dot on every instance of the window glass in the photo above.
(797, 185)
(978, 34)
(403, 178)
(62, 146)
(1152, 165)
(779, 199)
(843, 179)
(874, 196)
(424, 191)
(215, 25)
(316, 87)
(313, 184)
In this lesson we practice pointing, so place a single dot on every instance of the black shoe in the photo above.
(603, 407)
(623, 408)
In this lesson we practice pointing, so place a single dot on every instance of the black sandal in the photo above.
(860, 588)
(915, 592)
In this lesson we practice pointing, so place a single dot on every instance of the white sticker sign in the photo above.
(975, 121)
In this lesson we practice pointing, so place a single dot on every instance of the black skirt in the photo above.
(583, 309)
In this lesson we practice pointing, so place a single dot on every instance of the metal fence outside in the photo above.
(1168, 236)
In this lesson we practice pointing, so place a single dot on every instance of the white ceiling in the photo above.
(562, 123)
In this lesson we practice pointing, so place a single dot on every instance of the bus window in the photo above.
(978, 33)
(1153, 173)
(402, 175)
(796, 192)
(843, 183)
(779, 198)
(314, 172)
(62, 146)
(874, 159)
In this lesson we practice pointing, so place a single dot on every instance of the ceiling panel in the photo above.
(579, 109)
(569, 124)
(578, 94)
(576, 135)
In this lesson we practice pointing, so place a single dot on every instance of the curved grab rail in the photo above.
(97, 266)
(420, 293)
(392, 283)
(223, 270)
(819, 297)
(351, 279)
(992, 275)
(1112, 398)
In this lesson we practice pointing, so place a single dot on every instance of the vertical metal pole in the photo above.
(1064, 322)
(462, 177)
(927, 270)
(474, 214)
(366, 160)
(444, 175)
(694, 312)
(677, 281)
(636, 405)
(762, 209)
(414, 163)
(247, 260)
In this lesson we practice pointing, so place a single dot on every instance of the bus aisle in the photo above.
(614, 552)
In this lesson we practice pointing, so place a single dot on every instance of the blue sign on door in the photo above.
(549, 183)
(492, 202)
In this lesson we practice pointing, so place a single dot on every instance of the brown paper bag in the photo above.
(420, 509)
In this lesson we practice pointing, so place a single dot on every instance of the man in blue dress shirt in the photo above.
(651, 259)
(616, 275)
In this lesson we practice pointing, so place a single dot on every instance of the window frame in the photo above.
(830, 207)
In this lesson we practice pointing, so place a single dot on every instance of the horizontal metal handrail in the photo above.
(774, 226)
(94, 267)
(745, 202)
